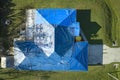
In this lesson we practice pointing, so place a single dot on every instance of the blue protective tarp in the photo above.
(66, 55)
(63, 17)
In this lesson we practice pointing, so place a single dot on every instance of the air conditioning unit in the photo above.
(7, 61)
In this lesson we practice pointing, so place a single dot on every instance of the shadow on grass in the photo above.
(5, 11)
(2, 79)
(16, 18)
(89, 28)
(33, 75)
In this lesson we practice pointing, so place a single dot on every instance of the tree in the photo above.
(5, 10)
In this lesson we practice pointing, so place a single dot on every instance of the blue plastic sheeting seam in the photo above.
(50, 45)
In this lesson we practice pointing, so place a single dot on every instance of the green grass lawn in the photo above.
(113, 4)
(94, 73)
(98, 18)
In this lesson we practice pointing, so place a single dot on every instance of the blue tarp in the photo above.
(57, 51)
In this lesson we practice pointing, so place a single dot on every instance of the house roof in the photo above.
(52, 46)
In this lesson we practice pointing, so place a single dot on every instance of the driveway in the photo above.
(102, 54)
(110, 54)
